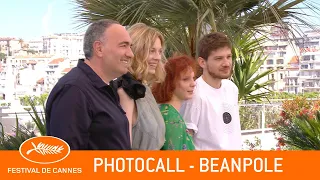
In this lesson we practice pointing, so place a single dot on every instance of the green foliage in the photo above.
(299, 125)
(272, 114)
(301, 132)
(2, 55)
(3, 104)
(250, 117)
(184, 22)
(248, 58)
(286, 95)
(38, 101)
(13, 142)
(255, 145)
(10, 142)
(2, 131)
(30, 125)
(39, 121)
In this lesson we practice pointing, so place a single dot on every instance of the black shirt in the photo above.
(85, 112)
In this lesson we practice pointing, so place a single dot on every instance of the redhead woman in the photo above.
(177, 87)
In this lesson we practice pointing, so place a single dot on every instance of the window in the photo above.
(306, 58)
(304, 66)
(281, 76)
(282, 54)
(279, 61)
(282, 47)
(271, 47)
(271, 55)
(269, 62)
(312, 44)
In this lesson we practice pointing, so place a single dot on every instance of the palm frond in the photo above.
(248, 58)
(230, 16)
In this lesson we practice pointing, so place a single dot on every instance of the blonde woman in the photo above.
(148, 128)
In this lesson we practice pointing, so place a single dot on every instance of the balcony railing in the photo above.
(254, 122)
(292, 84)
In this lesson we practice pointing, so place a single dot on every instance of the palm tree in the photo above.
(184, 22)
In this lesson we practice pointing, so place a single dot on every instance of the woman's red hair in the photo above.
(174, 67)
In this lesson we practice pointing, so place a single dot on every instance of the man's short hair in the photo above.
(95, 32)
(212, 42)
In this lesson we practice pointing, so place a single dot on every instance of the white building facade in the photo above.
(64, 45)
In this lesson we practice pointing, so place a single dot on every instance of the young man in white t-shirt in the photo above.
(212, 115)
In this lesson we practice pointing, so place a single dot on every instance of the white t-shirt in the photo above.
(214, 116)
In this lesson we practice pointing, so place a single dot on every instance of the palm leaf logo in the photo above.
(45, 149)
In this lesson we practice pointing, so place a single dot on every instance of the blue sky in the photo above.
(29, 19)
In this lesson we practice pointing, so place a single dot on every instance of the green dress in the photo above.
(177, 136)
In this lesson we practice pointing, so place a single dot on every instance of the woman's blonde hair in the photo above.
(143, 38)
